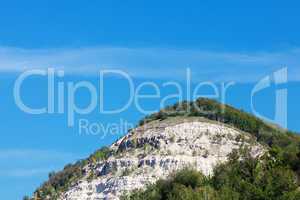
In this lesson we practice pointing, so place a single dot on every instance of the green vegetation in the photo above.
(101, 154)
(61, 181)
(245, 179)
(26, 198)
(213, 110)
(275, 177)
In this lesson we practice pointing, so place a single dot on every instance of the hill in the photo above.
(203, 140)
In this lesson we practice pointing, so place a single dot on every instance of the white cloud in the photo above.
(32, 162)
(18, 173)
(34, 154)
(154, 62)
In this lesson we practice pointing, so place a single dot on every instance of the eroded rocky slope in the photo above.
(156, 150)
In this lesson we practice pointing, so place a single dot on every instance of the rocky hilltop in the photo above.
(166, 142)
(157, 149)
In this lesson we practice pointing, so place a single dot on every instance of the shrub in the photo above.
(246, 179)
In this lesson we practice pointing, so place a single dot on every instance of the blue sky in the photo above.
(150, 40)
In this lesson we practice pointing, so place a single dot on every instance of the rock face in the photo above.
(156, 150)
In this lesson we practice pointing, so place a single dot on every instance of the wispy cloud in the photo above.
(34, 154)
(32, 162)
(19, 173)
(154, 62)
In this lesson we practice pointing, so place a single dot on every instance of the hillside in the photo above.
(198, 139)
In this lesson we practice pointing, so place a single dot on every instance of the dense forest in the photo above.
(275, 176)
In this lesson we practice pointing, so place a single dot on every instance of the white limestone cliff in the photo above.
(158, 149)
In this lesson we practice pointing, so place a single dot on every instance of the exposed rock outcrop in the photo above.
(156, 150)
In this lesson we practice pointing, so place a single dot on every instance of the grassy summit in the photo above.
(266, 133)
